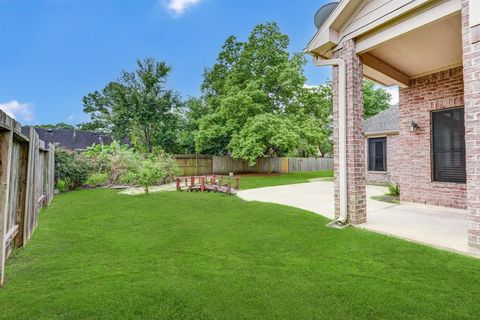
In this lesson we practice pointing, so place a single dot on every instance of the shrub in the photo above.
(150, 173)
(123, 163)
(72, 168)
(167, 163)
(61, 186)
(100, 155)
(393, 190)
(97, 179)
(157, 167)
(128, 178)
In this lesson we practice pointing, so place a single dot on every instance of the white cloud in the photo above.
(179, 7)
(17, 110)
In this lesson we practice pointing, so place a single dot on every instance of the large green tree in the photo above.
(252, 82)
(256, 86)
(139, 106)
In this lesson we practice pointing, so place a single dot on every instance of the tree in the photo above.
(313, 114)
(264, 135)
(251, 82)
(60, 125)
(139, 106)
(193, 110)
(376, 99)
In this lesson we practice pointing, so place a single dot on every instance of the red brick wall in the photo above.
(436, 91)
(355, 135)
(471, 65)
(392, 173)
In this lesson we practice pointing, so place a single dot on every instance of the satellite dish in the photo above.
(323, 13)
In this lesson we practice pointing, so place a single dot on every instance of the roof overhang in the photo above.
(328, 36)
(395, 38)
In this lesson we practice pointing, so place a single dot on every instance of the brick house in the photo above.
(431, 50)
(382, 147)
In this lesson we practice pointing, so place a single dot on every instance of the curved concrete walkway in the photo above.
(439, 227)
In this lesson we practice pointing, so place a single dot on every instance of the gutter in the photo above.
(342, 132)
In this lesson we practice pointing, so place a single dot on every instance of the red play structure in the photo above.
(212, 183)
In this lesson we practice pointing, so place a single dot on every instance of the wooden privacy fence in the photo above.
(309, 164)
(26, 184)
(193, 165)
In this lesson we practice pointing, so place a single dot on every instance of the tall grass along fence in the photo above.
(26, 184)
(197, 165)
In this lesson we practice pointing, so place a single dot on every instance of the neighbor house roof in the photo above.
(71, 139)
(387, 121)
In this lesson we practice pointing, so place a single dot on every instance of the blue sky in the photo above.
(56, 51)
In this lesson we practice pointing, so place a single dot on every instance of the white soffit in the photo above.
(426, 50)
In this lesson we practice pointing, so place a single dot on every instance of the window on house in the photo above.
(377, 154)
(448, 129)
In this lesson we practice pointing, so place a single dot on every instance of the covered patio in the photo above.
(430, 49)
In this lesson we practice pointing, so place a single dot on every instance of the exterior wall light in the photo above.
(413, 127)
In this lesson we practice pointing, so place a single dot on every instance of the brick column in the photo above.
(471, 74)
(356, 194)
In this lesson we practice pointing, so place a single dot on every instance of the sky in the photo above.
(54, 52)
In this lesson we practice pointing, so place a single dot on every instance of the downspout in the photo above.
(342, 133)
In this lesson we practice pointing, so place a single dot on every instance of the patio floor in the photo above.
(440, 227)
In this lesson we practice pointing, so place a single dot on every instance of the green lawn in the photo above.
(252, 182)
(100, 255)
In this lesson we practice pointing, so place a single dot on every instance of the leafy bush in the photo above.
(155, 168)
(61, 186)
(71, 168)
(115, 164)
(100, 155)
(393, 190)
(97, 179)
(149, 173)
(128, 178)
(123, 163)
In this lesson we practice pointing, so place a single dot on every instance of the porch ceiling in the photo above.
(435, 47)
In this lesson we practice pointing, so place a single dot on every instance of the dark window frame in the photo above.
(373, 165)
(443, 174)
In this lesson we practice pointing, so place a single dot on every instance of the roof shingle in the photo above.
(71, 139)
(386, 121)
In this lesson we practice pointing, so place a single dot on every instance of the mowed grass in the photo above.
(260, 181)
(100, 255)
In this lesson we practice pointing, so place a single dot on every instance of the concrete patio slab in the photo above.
(439, 227)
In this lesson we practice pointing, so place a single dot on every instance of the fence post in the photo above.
(202, 184)
(196, 165)
(192, 182)
(30, 190)
(237, 183)
(51, 172)
(178, 184)
(22, 192)
(6, 142)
